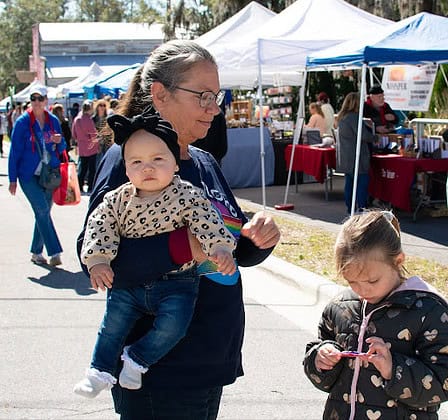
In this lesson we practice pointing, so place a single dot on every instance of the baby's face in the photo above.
(150, 165)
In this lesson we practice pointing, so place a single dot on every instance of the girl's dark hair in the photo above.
(365, 232)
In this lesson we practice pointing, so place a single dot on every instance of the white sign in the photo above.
(409, 88)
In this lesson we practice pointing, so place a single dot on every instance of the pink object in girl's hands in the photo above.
(352, 354)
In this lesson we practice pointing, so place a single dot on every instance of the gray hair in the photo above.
(169, 63)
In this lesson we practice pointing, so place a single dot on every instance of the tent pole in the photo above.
(260, 104)
(298, 129)
(362, 95)
(443, 74)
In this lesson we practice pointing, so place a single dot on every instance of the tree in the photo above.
(141, 12)
(101, 11)
(16, 21)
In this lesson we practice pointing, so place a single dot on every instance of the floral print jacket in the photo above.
(414, 320)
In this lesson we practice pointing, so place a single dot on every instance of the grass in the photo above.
(311, 248)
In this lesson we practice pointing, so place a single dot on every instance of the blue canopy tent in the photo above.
(112, 85)
(419, 39)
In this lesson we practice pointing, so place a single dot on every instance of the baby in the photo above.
(154, 201)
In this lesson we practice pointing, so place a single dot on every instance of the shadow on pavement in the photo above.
(62, 279)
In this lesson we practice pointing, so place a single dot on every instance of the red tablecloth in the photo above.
(391, 177)
(311, 160)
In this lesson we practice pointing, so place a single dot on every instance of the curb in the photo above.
(322, 288)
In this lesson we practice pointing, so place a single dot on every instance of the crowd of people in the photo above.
(173, 328)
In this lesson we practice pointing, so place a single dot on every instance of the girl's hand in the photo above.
(327, 357)
(380, 356)
(262, 231)
(12, 188)
(101, 276)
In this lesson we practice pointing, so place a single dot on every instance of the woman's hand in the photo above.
(262, 231)
(56, 138)
(327, 356)
(12, 188)
(380, 356)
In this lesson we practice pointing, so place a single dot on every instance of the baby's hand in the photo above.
(101, 276)
(327, 357)
(224, 261)
(380, 356)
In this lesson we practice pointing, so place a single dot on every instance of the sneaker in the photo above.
(38, 259)
(131, 374)
(93, 383)
(55, 260)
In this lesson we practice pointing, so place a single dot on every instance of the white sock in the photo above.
(131, 374)
(94, 382)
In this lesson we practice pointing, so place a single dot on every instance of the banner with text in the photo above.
(409, 88)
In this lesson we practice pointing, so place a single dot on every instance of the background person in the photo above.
(3, 130)
(379, 111)
(85, 136)
(104, 136)
(37, 125)
(58, 110)
(328, 112)
(347, 124)
(180, 81)
(317, 119)
(398, 323)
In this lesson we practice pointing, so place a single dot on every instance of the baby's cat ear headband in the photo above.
(124, 127)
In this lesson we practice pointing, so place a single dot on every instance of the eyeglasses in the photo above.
(39, 98)
(206, 97)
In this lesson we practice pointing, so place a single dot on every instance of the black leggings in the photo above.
(86, 166)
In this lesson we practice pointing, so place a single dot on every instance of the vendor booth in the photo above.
(273, 54)
(420, 39)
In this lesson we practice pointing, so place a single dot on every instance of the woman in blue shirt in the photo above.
(36, 136)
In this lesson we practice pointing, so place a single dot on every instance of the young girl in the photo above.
(382, 351)
(155, 201)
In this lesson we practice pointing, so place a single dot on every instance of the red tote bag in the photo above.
(68, 193)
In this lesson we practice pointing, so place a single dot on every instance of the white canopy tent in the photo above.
(24, 94)
(239, 25)
(275, 53)
(225, 38)
(93, 73)
(282, 44)
(419, 39)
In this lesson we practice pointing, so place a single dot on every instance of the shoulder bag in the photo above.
(49, 178)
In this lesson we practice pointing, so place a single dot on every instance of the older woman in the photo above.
(36, 137)
(180, 82)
